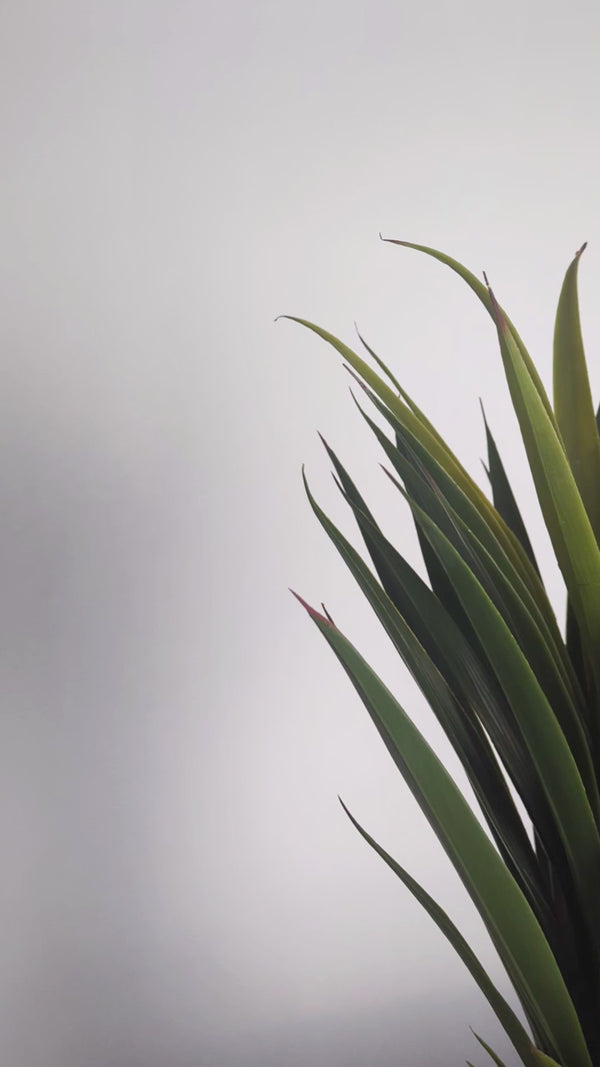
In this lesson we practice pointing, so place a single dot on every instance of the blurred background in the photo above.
(180, 885)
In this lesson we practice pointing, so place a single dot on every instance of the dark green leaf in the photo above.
(505, 911)
(504, 1012)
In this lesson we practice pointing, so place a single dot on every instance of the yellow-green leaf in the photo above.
(573, 398)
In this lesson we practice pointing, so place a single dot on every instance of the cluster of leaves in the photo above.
(519, 702)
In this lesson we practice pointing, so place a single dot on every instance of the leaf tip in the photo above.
(496, 309)
(314, 614)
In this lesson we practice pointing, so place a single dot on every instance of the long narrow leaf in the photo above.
(506, 1016)
(573, 398)
(511, 599)
(482, 292)
(497, 535)
(493, 1055)
(541, 732)
(505, 911)
(571, 533)
(503, 496)
(445, 502)
(464, 731)
(431, 442)
(402, 392)
(471, 679)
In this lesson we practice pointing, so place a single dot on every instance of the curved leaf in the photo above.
(482, 292)
(506, 1016)
(573, 398)
(433, 444)
(567, 522)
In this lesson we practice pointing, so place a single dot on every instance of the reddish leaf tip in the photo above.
(580, 250)
(314, 614)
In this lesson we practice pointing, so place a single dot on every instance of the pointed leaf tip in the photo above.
(394, 241)
(314, 614)
(497, 313)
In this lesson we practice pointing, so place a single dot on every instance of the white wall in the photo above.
(180, 885)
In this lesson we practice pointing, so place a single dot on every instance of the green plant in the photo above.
(518, 701)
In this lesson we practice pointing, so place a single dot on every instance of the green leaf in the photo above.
(432, 443)
(470, 678)
(462, 727)
(402, 392)
(509, 919)
(542, 1060)
(476, 690)
(567, 522)
(503, 497)
(482, 292)
(445, 502)
(573, 398)
(541, 732)
(509, 595)
(502, 1009)
(493, 1054)
(489, 525)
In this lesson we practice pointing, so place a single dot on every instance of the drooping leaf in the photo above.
(402, 392)
(482, 292)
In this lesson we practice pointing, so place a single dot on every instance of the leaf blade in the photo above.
(506, 1016)
(508, 917)
(573, 398)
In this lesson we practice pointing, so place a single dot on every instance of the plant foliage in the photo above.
(518, 701)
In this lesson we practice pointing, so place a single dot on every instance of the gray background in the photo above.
(180, 886)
